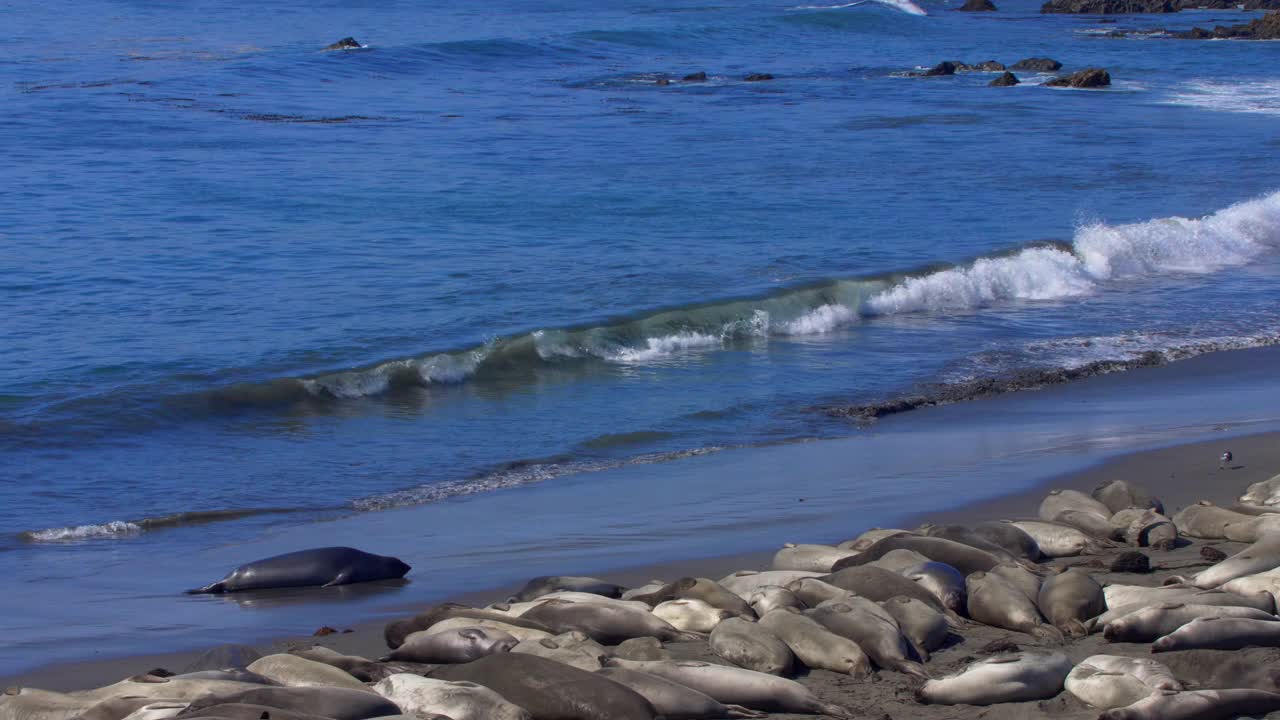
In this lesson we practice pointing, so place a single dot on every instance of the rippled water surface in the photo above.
(251, 284)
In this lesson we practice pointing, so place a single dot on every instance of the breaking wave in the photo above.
(128, 528)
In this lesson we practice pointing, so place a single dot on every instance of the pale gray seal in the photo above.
(571, 648)
(1012, 538)
(397, 630)
(457, 700)
(962, 557)
(1220, 633)
(1149, 623)
(814, 558)
(1058, 540)
(815, 645)
(1118, 495)
(704, 589)
(745, 582)
(548, 584)
(1155, 675)
(736, 686)
(943, 581)
(452, 646)
(1060, 501)
(360, 668)
(675, 701)
(873, 629)
(606, 624)
(1266, 492)
(1069, 599)
(1090, 524)
(1002, 679)
(325, 567)
(1105, 690)
(1250, 668)
(1197, 705)
(691, 615)
(995, 602)
(336, 703)
(247, 711)
(771, 597)
(295, 671)
(752, 646)
(548, 689)
(1259, 557)
(1206, 521)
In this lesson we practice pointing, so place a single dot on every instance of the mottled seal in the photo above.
(572, 648)
(745, 582)
(607, 624)
(691, 615)
(425, 697)
(995, 602)
(548, 689)
(1056, 540)
(696, 588)
(518, 632)
(397, 630)
(815, 645)
(1005, 678)
(751, 646)
(452, 646)
(1197, 705)
(1220, 633)
(675, 701)
(814, 558)
(1152, 622)
(1069, 599)
(1118, 495)
(325, 567)
(772, 597)
(539, 586)
(1105, 690)
(736, 686)
(873, 629)
(295, 671)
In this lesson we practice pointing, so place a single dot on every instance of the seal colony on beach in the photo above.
(1038, 615)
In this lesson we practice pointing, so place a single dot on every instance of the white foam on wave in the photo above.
(114, 529)
(905, 6)
(1254, 96)
(665, 346)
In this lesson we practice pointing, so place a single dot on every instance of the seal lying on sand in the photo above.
(325, 567)
(1007, 678)
(735, 686)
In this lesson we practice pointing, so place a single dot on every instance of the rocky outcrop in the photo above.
(1088, 78)
(1109, 7)
(346, 43)
(694, 77)
(984, 66)
(946, 67)
(978, 6)
(1006, 80)
(1266, 27)
(1037, 65)
(1229, 4)
(758, 77)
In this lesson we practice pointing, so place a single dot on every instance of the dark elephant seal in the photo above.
(336, 703)
(926, 628)
(704, 589)
(550, 690)
(1012, 538)
(750, 645)
(452, 646)
(873, 629)
(1119, 495)
(966, 536)
(962, 557)
(736, 686)
(815, 645)
(325, 567)
(675, 701)
(1090, 524)
(1069, 599)
(995, 602)
(1197, 705)
(1250, 668)
(606, 624)
(397, 630)
(548, 584)
(879, 584)
(247, 711)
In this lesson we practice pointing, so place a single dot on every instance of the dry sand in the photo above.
(1179, 475)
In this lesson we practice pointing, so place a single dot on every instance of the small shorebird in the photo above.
(1223, 459)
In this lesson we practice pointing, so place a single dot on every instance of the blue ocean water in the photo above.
(272, 285)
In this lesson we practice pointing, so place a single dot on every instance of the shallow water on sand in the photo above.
(253, 290)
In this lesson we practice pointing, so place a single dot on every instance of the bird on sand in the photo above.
(1224, 458)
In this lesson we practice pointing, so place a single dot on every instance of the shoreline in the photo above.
(1179, 474)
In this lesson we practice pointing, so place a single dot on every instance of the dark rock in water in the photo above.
(978, 6)
(223, 656)
(1229, 4)
(1266, 27)
(1087, 78)
(1108, 7)
(1038, 65)
(946, 67)
(346, 43)
(694, 77)
(1212, 554)
(1131, 562)
(1002, 645)
(984, 66)
(325, 630)
(1006, 80)
(758, 77)
(662, 82)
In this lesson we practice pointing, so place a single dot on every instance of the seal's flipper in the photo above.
(343, 578)
(216, 588)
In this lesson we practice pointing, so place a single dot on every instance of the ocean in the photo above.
(504, 254)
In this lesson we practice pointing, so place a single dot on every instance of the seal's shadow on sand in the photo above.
(285, 597)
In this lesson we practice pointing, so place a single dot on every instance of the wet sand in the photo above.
(1179, 475)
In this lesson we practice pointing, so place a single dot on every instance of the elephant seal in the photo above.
(675, 701)
(1197, 705)
(1259, 557)
(324, 567)
(1150, 529)
(572, 648)
(736, 686)
(1206, 521)
(548, 689)
(605, 623)
(1118, 495)
(995, 602)
(1027, 582)
(1057, 540)
(246, 711)
(223, 656)
(1060, 501)
(33, 704)
(1266, 492)
(460, 623)
(644, 648)
(1090, 524)
(871, 537)
(1012, 538)
(1250, 668)
(772, 597)
(1253, 529)
(294, 671)
(118, 708)
(548, 584)
(648, 588)
(1152, 622)
(899, 560)
(752, 646)
(814, 558)
(360, 668)
(962, 557)
(1220, 633)
(1105, 690)
(879, 584)
(926, 628)
(691, 615)
(397, 630)
(1002, 679)
(161, 710)
(942, 581)
(815, 645)
(1069, 599)
(452, 646)
(966, 536)
(1154, 675)
(425, 697)
(744, 582)
(1267, 582)
(704, 589)
(331, 702)
(873, 629)
(812, 592)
